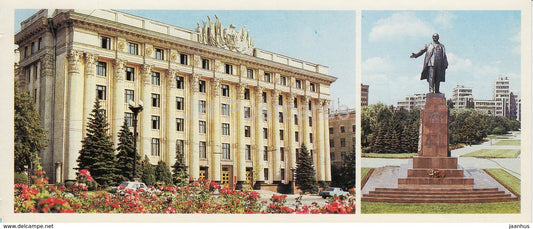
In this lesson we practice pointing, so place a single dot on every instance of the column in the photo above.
(216, 128)
(319, 133)
(194, 145)
(46, 116)
(291, 146)
(276, 168)
(118, 107)
(241, 159)
(146, 114)
(258, 157)
(90, 87)
(325, 132)
(75, 116)
(171, 117)
(305, 121)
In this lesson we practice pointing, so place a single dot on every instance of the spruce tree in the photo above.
(30, 137)
(97, 153)
(148, 176)
(305, 171)
(126, 150)
(162, 173)
(179, 170)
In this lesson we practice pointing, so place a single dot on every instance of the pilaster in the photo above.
(171, 117)
(118, 106)
(325, 132)
(258, 157)
(276, 168)
(216, 131)
(90, 87)
(320, 141)
(75, 105)
(194, 155)
(241, 159)
(146, 114)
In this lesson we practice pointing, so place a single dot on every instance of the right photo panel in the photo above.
(441, 120)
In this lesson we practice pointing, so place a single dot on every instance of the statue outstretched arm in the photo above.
(419, 53)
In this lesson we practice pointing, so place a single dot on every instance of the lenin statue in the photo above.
(435, 63)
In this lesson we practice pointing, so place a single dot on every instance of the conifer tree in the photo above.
(148, 176)
(179, 170)
(97, 153)
(162, 173)
(305, 171)
(30, 137)
(126, 150)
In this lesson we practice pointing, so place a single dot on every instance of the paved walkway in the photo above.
(291, 199)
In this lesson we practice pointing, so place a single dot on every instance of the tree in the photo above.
(30, 137)
(449, 103)
(347, 173)
(148, 175)
(162, 173)
(179, 170)
(305, 171)
(97, 153)
(126, 150)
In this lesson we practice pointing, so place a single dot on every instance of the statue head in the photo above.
(436, 37)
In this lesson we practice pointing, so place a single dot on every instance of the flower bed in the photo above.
(197, 197)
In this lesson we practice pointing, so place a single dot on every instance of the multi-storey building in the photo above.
(461, 96)
(364, 94)
(341, 135)
(490, 107)
(416, 101)
(239, 114)
(501, 92)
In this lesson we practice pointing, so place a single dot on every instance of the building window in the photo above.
(248, 152)
(353, 128)
(247, 131)
(282, 154)
(202, 86)
(203, 152)
(247, 112)
(105, 42)
(225, 109)
(101, 68)
(331, 130)
(265, 173)
(343, 142)
(225, 90)
(310, 105)
(159, 54)
(299, 84)
(156, 78)
(295, 119)
(133, 48)
(156, 100)
(283, 80)
(226, 153)
(205, 64)
(101, 92)
(202, 128)
(250, 73)
(265, 115)
(225, 129)
(130, 74)
(296, 136)
(281, 135)
(32, 49)
(179, 146)
(247, 94)
(155, 122)
(331, 143)
(179, 82)
(264, 97)
(180, 124)
(26, 51)
(311, 137)
(295, 102)
(129, 95)
(310, 121)
(229, 69)
(267, 77)
(184, 59)
(180, 103)
(40, 44)
(202, 106)
(265, 153)
(280, 100)
(342, 129)
(282, 173)
(280, 114)
(129, 119)
(312, 87)
(265, 133)
(155, 147)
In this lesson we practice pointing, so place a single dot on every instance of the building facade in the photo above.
(364, 94)
(461, 96)
(239, 114)
(416, 101)
(341, 135)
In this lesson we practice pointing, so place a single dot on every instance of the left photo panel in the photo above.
(184, 111)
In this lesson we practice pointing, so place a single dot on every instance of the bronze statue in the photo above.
(435, 63)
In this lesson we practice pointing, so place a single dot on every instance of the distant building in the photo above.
(364, 95)
(490, 107)
(341, 135)
(461, 96)
(416, 101)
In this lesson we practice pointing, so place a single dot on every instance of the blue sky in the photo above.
(320, 37)
(480, 45)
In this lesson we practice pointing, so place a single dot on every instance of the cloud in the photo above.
(399, 25)
(456, 63)
(444, 19)
(376, 65)
(516, 40)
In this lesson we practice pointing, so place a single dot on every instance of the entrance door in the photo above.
(226, 177)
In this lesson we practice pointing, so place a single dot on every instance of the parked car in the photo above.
(333, 191)
(131, 185)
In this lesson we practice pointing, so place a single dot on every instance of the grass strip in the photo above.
(508, 181)
(365, 175)
(494, 153)
(389, 155)
(507, 143)
(440, 208)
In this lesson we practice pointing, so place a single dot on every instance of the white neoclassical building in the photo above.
(238, 113)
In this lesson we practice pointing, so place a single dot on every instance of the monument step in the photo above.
(425, 172)
(439, 200)
(435, 181)
(435, 163)
(441, 195)
(436, 190)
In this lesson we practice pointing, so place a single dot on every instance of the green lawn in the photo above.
(364, 171)
(506, 178)
(494, 153)
(508, 142)
(389, 155)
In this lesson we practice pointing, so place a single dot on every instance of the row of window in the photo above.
(342, 129)
(33, 47)
(342, 141)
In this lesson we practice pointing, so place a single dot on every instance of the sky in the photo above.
(320, 37)
(480, 46)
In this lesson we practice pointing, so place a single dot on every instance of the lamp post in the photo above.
(136, 110)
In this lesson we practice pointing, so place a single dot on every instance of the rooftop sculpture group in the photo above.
(229, 38)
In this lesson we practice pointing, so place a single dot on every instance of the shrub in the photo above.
(21, 178)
